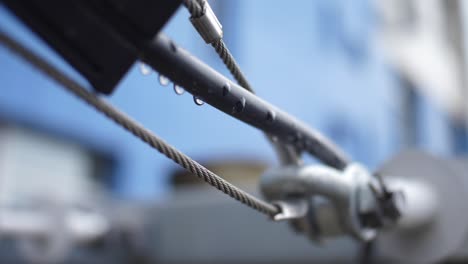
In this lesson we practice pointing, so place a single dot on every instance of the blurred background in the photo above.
(376, 77)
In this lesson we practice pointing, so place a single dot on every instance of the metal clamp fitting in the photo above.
(291, 209)
(208, 25)
(348, 197)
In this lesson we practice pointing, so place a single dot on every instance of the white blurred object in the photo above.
(35, 165)
(424, 40)
(48, 234)
(42, 179)
(86, 225)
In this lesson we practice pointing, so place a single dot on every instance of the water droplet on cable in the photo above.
(198, 101)
(178, 89)
(271, 116)
(226, 89)
(239, 106)
(163, 80)
(145, 69)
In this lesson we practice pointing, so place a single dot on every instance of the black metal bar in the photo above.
(94, 36)
(212, 87)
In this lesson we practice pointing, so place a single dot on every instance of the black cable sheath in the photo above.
(202, 81)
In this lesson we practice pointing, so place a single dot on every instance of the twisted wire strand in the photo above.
(196, 9)
(231, 64)
(137, 129)
(286, 154)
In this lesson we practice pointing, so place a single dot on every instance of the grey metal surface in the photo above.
(208, 25)
(460, 166)
(200, 226)
(446, 231)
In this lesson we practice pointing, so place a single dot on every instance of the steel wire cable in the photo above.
(286, 154)
(228, 60)
(137, 129)
(195, 8)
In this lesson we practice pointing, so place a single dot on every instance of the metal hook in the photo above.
(290, 209)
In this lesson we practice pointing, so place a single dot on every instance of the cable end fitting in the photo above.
(208, 25)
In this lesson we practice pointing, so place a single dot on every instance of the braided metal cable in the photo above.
(138, 130)
(196, 9)
(231, 64)
(286, 154)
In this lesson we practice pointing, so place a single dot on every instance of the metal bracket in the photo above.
(291, 209)
(208, 25)
(433, 223)
(347, 195)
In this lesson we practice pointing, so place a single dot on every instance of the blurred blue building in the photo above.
(318, 60)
